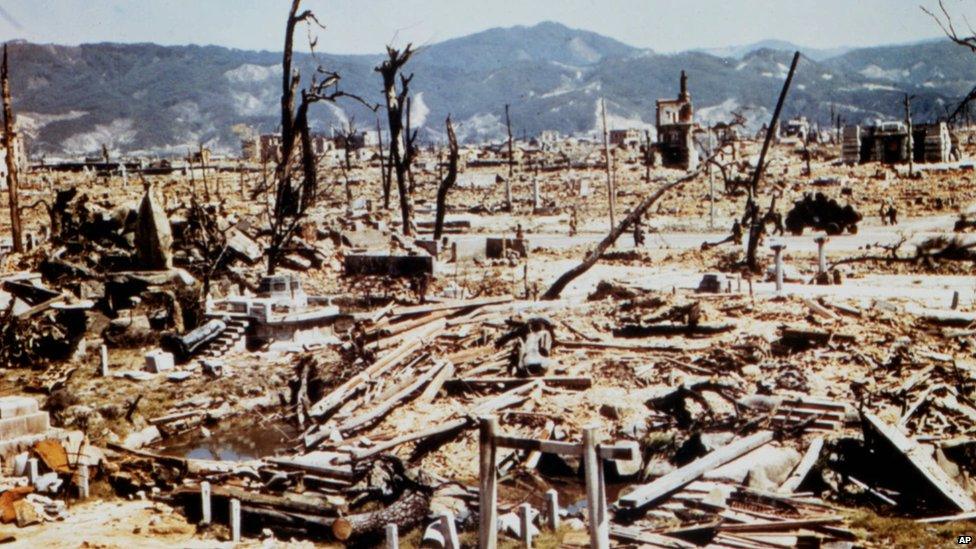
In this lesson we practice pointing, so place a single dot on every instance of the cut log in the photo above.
(407, 512)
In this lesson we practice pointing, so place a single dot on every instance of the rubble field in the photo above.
(161, 387)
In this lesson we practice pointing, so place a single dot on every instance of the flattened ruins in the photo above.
(692, 334)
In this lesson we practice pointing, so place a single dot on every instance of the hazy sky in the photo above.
(364, 26)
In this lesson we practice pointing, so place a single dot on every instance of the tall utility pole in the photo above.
(911, 141)
(647, 156)
(606, 150)
(711, 185)
(9, 140)
(511, 162)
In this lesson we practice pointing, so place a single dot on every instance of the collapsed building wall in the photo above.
(888, 143)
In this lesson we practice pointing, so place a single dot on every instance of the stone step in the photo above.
(15, 406)
(30, 424)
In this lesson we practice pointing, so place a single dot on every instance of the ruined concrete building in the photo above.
(675, 124)
(798, 127)
(630, 138)
(267, 147)
(887, 142)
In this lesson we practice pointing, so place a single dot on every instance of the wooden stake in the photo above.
(525, 524)
(552, 509)
(488, 493)
(596, 498)
(392, 537)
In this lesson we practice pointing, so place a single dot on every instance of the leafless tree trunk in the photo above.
(9, 140)
(448, 181)
(395, 103)
(384, 173)
(292, 202)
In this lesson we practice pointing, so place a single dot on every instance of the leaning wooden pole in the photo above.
(594, 256)
(756, 226)
(9, 142)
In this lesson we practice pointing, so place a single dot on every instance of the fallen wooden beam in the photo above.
(562, 448)
(803, 468)
(555, 381)
(627, 346)
(635, 330)
(450, 305)
(648, 493)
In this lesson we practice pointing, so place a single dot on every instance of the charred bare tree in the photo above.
(292, 200)
(944, 20)
(9, 140)
(397, 109)
(448, 181)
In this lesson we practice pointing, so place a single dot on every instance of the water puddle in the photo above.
(233, 441)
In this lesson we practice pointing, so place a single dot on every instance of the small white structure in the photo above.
(158, 361)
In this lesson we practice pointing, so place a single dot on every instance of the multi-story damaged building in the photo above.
(888, 143)
(675, 126)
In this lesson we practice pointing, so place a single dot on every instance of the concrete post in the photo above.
(103, 356)
(535, 193)
(83, 482)
(451, 540)
(778, 249)
(235, 520)
(392, 537)
(205, 503)
(821, 255)
(525, 524)
(32, 471)
(552, 509)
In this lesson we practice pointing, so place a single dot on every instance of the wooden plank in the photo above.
(430, 393)
(924, 463)
(563, 448)
(802, 469)
(949, 518)
(414, 309)
(666, 484)
(626, 346)
(555, 381)
(780, 525)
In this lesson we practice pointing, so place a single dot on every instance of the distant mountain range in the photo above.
(145, 98)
